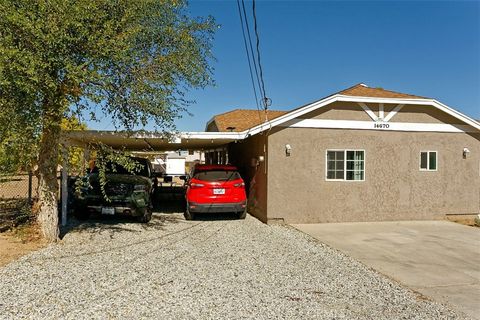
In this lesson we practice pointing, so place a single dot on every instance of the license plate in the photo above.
(108, 210)
(219, 191)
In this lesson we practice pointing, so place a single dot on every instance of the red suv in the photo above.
(215, 188)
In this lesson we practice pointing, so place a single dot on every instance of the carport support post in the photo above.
(86, 160)
(64, 182)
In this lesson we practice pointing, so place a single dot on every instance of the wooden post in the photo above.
(64, 184)
(30, 181)
(86, 160)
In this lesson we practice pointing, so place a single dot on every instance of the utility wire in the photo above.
(265, 101)
(251, 49)
(248, 55)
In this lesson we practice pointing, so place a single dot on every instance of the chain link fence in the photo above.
(17, 194)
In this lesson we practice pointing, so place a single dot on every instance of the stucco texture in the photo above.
(244, 155)
(394, 187)
(408, 113)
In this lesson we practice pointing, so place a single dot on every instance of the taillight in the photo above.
(238, 185)
(194, 185)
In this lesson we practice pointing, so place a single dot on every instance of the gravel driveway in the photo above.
(222, 269)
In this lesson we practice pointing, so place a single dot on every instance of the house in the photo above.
(361, 154)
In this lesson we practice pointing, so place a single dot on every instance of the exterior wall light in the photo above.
(261, 158)
(288, 150)
(465, 152)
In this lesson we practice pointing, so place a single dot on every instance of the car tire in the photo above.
(243, 214)
(187, 214)
(146, 216)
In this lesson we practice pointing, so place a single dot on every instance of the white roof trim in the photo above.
(212, 135)
(232, 136)
(338, 97)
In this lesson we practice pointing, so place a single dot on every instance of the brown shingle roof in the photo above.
(243, 119)
(361, 90)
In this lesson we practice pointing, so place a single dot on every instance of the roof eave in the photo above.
(345, 98)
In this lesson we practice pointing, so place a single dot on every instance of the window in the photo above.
(346, 165)
(217, 175)
(428, 160)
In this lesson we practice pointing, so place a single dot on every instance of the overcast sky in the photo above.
(310, 49)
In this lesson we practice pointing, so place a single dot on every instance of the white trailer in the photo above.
(175, 166)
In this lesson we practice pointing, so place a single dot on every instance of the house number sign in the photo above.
(381, 126)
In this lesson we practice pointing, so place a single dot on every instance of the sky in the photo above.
(311, 49)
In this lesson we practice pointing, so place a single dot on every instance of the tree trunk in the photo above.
(48, 184)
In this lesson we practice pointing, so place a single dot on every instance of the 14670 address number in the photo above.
(381, 125)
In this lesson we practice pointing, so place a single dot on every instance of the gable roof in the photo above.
(362, 90)
(242, 119)
(359, 93)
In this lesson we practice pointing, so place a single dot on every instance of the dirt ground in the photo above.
(18, 242)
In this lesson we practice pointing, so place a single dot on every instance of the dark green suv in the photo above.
(127, 194)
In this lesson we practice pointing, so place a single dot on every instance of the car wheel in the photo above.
(243, 214)
(146, 216)
(187, 214)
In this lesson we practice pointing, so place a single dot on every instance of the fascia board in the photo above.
(321, 103)
(457, 114)
(213, 135)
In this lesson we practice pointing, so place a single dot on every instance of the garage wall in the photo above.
(394, 187)
(243, 154)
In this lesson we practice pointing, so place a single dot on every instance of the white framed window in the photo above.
(428, 161)
(345, 165)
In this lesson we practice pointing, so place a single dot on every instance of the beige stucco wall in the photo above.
(241, 154)
(408, 113)
(394, 187)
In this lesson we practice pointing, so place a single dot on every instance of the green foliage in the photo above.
(133, 61)
(75, 154)
(107, 156)
(18, 145)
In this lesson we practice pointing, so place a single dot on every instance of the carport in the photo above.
(212, 144)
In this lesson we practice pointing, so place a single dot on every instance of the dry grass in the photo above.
(467, 220)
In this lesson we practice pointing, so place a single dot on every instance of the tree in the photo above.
(75, 154)
(18, 146)
(131, 60)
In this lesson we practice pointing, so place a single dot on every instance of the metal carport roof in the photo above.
(140, 141)
(151, 141)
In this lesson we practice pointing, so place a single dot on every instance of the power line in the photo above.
(247, 25)
(264, 97)
(248, 55)
(246, 50)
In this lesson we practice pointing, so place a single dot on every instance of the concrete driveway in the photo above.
(439, 259)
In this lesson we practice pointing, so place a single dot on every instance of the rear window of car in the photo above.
(216, 175)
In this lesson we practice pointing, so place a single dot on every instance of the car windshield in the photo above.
(217, 175)
(141, 170)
